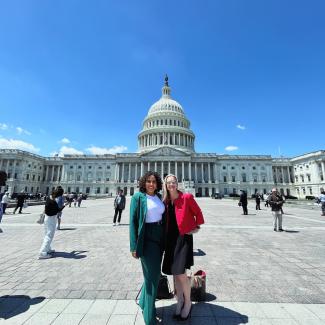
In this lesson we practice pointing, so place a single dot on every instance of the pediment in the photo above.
(166, 151)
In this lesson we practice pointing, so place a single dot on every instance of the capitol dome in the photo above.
(166, 125)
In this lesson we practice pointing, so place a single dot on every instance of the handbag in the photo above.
(41, 218)
(198, 286)
(163, 291)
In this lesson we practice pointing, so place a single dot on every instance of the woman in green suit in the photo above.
(146, 239)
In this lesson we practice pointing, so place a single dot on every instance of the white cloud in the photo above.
(65, 140)
(17, 144)
(104, 151)
(231, 148)
(241, 127)
(3, 126)
(21, 131)
(64, 150)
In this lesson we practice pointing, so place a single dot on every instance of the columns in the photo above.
(323, 170)
(122, 178)
(136, 172)
(155, 166)
(190, 171)
(174, 138)
(176, 169)
(7, 167)
(162, 170)
(183, 170)
(282, 175)
(215, 173)
(168, 167)
(148, 165)
(129, 176)
(141, 169)
(117, 172)
(202, 172)
(288, 171)
(195, 172)
(209, 173)
(47, 173)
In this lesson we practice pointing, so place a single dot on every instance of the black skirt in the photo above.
(178, 249)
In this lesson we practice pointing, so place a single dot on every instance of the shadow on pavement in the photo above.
(292, 231)
(11, 306)
(210, 314)
(66, 229)
(199, 252)
(74, 254)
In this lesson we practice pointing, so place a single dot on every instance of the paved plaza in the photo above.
(254, 275)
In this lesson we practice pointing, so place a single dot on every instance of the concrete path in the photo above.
(254, 275)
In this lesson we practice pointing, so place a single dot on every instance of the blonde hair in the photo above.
(166, 195)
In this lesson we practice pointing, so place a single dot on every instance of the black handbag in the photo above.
(163, 291)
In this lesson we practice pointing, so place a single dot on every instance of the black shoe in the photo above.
(274, 229)
(281, 229)
(183, 319)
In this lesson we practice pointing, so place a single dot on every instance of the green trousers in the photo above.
(151, 267)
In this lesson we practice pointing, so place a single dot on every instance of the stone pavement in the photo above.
(254, 275)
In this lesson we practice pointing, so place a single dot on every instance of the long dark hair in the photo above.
(143, 179)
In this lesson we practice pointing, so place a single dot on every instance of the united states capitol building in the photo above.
(166, 144)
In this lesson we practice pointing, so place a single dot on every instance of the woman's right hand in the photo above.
(134, 254)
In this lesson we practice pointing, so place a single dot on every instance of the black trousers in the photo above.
(244, 206)
(258, 205)
(119, 212)
(20, 206)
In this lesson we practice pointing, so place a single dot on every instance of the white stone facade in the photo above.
(166, 145)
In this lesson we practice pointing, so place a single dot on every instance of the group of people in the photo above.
(274, 199)
(161, 236)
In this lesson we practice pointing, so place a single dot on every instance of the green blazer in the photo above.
(138, 212)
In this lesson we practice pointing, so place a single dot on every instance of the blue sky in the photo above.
(80, 76)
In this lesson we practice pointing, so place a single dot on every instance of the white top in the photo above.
(322, 197)
(155, 209)
(5, 199)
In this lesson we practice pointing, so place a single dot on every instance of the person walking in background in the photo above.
(243, 201)
(258, 201)
(79, 199)
(276, 201)
(321, 200)
(183, 218)
(4, 202)
(51, 211)
(60, 201)
(119, 206)
(20, 202)
(147, 239)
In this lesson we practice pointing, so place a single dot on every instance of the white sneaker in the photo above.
(114, 224)
(44, 257)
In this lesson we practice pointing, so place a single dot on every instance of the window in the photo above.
(98, 190)
(33, 177)
(15, 177)
(39, 178)
(107, 179)
(225, 178)
(309, 178)
(263, 179)
(77, 189)
(71, 167)
(244, 177)
(232, 167)
(108, 167)
(87, 190)
(79, 167)
(255, 179)
(106, 190)
(310, 190)
(9, 175)
(100, 167)
(243, 167)
(69, 189)
(89, 167)
(78, 178)
(233, 178)
(254, 167)
(223, 167)
(27, 176)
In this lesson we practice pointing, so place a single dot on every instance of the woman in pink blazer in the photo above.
(184, 218)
